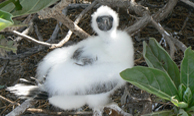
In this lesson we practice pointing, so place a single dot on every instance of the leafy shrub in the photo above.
(14, 8)
(163, 78)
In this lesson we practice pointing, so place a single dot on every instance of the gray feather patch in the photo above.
(98, 88)
(82, 60)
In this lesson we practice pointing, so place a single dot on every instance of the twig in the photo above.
(75, 6)
(139, 25)
(29, 29)
(163, 12)
(188, 2)
(76, 22)
(20, 109)
(115, 3)
(55, 32)
(3, 67)
(115, 110)
(152, 5)
(22, 55)
(55, 13)
(71, 25)
(24, 24)
(179, 44)
(31, 39)
(57, 113)
(38, 34)
(49, 12)
(26, 31)
(12, 102)
(185, 22)
(166, 36)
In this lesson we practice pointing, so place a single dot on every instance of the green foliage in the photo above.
(162, 113)
(152, 80)
(7, 46)
(5, 19)
(17, 4)
(2, 86)
(157, 57)
(14, 8)
(164, 79)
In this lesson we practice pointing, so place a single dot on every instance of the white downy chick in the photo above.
(88, 72)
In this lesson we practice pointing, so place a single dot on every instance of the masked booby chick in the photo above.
(88, 72)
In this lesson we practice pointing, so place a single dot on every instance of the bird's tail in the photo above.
(26, 90)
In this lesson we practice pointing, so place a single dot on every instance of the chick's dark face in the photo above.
(104, 23)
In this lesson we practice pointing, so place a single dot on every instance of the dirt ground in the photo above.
(179, 23)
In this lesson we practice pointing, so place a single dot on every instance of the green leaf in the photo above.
(2, 4)
(176, 102)
(6, 46)
(151, 80)
(187, 69)
(181, 90)
(187, 97)
(5, 19)
(161, 113)
(191, 109)
(28, 6)
(182, 113)
(17, 4)
(2, 86)
(157, 57)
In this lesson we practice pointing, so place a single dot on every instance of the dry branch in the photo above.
(32, 39)
(188, 2)
(144, 20)
(29, 29)
(8, 100)
(49, 12)
(71, 25)
(165, 35)
(114, 110)
(35, 110)
(22, 108)
(165, 11)
(56, 12)
(76, 22)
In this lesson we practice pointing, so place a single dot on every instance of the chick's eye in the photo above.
(111, 19)
(98, 19)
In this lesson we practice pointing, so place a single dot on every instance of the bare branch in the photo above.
(166, 36)
(115, 3)
(76, 22)
(71, 25)
(57, 113)
(22, 55)
(55, 13)
(55, 32)
(22, 108)
(188, 2)
(12, 102)
(38, 33)
(49, 12)
(29, 29)
(31, 39)
(114, 110)
(179, 44)
(3, 67)
(164, 12)
(139, 25)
